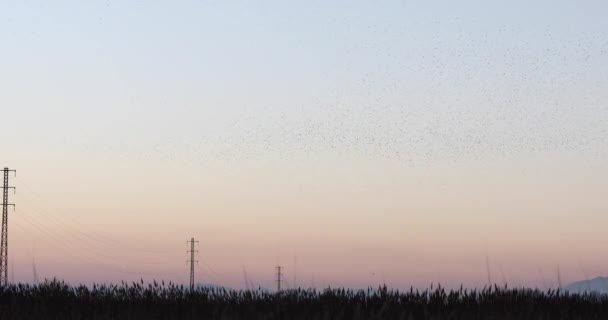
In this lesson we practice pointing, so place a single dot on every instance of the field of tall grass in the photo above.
(58, 300)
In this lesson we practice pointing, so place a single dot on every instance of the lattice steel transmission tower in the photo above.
(4, 241)
(192, 261)
(279, 278)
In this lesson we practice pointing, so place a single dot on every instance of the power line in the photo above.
(4, 241)
(90, 244)
(192, 251)
(93, 250)
(68, 248)
(92, 237)
(87, 246)
(100, 246)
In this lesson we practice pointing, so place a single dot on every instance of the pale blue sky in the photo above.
(156, 72)
(299, 124)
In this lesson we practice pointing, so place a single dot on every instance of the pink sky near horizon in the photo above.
(354, 224)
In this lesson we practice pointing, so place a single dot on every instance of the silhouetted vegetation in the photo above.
(58, 300)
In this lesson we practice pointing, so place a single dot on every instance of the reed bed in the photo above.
(55, 299)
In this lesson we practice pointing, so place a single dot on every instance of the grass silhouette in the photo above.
(55, 299)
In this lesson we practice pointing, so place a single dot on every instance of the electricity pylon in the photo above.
(279, 278)
(4, 241)
(192, 251)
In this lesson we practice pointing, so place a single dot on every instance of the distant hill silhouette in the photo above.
(217, 286)
(599, 285)
(210, 285)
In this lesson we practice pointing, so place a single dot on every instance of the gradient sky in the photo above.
(353, 142)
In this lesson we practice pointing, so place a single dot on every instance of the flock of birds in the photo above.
(507, 93)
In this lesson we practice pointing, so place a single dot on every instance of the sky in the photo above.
(352, 142)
